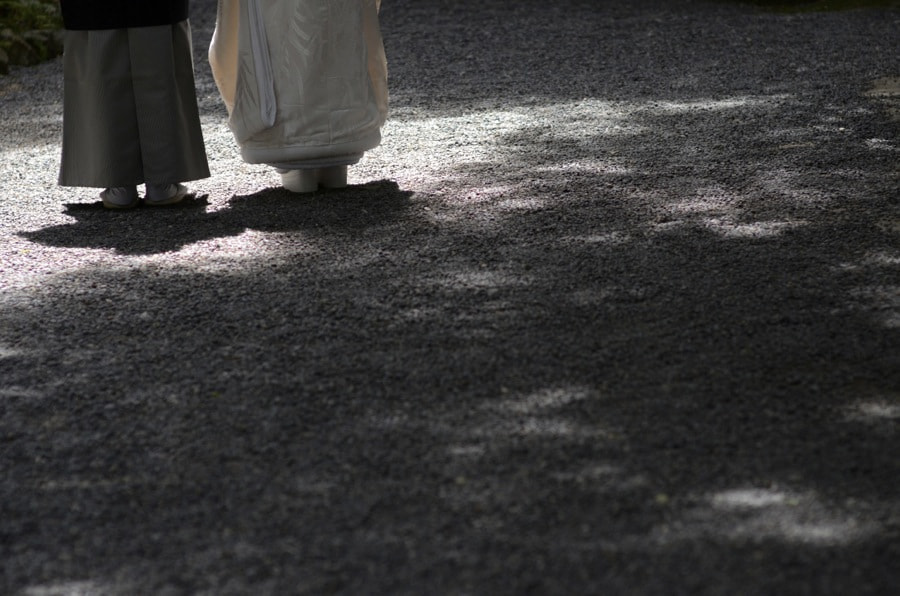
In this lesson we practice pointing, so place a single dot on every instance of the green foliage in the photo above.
(28, 15)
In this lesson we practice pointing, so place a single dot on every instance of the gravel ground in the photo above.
(613, 310)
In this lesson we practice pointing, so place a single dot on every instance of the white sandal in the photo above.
(165, 194)
(120, 197)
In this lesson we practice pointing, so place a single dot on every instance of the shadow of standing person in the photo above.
(157, 230)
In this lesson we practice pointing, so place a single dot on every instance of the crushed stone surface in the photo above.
(614, 309)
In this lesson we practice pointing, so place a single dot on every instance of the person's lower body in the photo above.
(130, 114)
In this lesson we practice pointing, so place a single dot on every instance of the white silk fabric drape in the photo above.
(301, 79)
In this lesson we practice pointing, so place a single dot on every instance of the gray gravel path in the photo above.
(613, 310)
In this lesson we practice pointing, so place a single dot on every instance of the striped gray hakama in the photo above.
(130, 108)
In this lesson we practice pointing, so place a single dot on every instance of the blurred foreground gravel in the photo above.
(613, 310)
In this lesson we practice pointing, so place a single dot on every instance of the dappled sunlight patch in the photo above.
(220, 253)
(19, 392)
(882, 259)
(880, 301)
(487, 196)
(613, 238)
(493, 136)
(536, 427)
(886, 90)
(884, 87)
(705, 203)
(479, 321)
(490, 201)
(548, 427)
(466, 450)
(588, 166)
(69, 588)
(872, 259)
(417, 314)
(546, 399)
(447, 138)
(752, 498)
(880, 145)
(9, 352)
(730, 229)
(243, 248)
(582, 119)
(538, 414)
(719, 211)
(524, 148)
(668, 226)
(480, 279)
(185, 262)
(521, 204)
(787, 183)
(875, 411)
(713, 105)
(712, 201)
(755, 514)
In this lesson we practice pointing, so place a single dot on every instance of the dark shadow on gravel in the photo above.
(154, 230)
(555, 404)
(654, 357)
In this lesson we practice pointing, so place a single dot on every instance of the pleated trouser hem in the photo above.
(130, 108)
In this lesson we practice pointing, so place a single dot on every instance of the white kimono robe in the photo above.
(304, 81)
